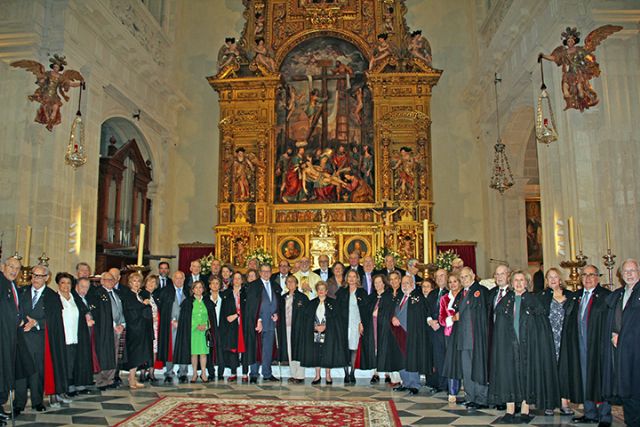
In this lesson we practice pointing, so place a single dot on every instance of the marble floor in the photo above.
(112, 406)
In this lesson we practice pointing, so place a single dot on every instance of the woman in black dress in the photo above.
(322, 335)
(232, 336)
(213, 301)
(139, 331)
(149, 292)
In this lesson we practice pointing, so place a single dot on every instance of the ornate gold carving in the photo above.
(240, 212)
(386, 167)
(323, 17)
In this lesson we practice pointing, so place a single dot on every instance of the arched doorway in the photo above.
(123, 203)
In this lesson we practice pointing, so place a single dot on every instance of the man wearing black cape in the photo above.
(171, 298)
(9, 322)
(84, 363)
(436, 380)
(41, 311)
(590, 320)
(412, 337)
(472, 339)
(622, 334)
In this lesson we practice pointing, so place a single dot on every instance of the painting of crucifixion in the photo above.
(324, 126)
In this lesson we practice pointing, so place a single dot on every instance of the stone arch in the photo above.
(123, 129)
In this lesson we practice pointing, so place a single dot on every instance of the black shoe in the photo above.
(525, 418)
(604, 424)
(374, 379)
(253, 380)
(272, 379)
(221, 377)
(113, 386)
(508, 419)
(17, 412)
(315, 382)
(478, 406)
(413, 391)
(40, 408)
(352, 378)
(103, 387)
(3, 417)
(501, 407)
(117, 382)
(583, 420)
(329, 382)
(387, 380)
(347, 379)
(470, 405)
(183, 379)
(168, 380)
(84, 391)
(400, 388)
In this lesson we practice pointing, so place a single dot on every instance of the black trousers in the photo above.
(35, 382)
(71, 349)
(631, 409)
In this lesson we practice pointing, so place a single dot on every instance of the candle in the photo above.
(580, 238)
(426, 240)
(17, 237)
(141, 243)
(46, 235)
(608, 236)
(27, 248)
(572, 247)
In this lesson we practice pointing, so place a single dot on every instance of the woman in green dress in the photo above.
(199, 326)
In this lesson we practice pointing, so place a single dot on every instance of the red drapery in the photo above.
(190, 251)
(466, 250)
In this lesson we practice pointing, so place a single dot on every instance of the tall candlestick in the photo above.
(141, 243)
(17, 238)
(426, 238)
(45, 240)
(580, 238)
(27, 248)
(572, 242)
(608, 236)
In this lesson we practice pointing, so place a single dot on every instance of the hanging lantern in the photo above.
(75, 156)
(545, 121)
(501, 178)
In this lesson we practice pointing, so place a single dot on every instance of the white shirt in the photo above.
(320, 312)
(324, 275)
(218, 304)
(70, 315)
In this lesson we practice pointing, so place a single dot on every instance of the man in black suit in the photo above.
(324, 271)
(354, 264)
(436, 381)
(32, 307)
(279, 279)
(164, 275)
(196, 269)
(83, 269)
(368, 265)
(390, 266)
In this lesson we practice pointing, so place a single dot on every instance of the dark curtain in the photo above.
(466, 252)
(189, 252)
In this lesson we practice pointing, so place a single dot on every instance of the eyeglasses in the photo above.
(589, 275)
(629, 271)
(41, 276)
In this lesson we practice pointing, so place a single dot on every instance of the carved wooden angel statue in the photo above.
(579, 65)
(419, 47)
(52, 87)
(262, 56)
(228, 53)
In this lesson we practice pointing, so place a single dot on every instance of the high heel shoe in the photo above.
(315, 381)
(204, 379)
(194, 380)
(328, 381)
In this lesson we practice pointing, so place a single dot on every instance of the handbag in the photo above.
(207, 336)
(318, 337)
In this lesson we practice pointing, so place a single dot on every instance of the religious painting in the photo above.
(357, 243)
(405, 173)
(291, 248)
(324, 132)
(534, 231)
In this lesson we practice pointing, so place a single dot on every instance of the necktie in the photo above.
(626, 296)
(464, 293)
(584, 303)
(179, 295)
(500, 296)
(15, 296)
(404, 300)
(268, 289)
(36, 296)
(162, 282)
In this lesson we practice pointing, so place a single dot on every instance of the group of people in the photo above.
(505, 346)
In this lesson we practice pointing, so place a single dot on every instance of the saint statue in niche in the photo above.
(579, 65)
(405, 171)
(243, 173)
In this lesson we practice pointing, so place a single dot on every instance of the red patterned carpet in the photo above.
(188, 411)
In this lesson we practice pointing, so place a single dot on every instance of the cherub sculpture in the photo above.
(579, 65)
(381, 51)
(52, 87)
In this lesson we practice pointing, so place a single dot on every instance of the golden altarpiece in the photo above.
(325, 131)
